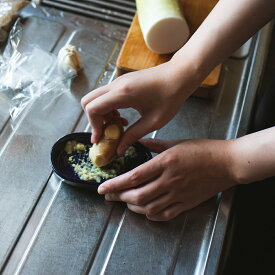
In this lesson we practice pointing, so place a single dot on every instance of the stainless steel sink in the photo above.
(47, 227)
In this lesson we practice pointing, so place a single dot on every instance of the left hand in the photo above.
(162, 85)
(180, 178)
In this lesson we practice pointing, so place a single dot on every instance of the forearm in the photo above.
(227, 27)
(254, 156)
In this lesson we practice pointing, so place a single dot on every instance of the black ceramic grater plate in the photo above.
(64, 170)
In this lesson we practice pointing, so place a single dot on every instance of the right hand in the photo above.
(156, 93)
(184, 174)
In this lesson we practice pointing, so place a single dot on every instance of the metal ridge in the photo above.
(120, 12)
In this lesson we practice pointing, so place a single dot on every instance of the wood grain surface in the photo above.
(135, 55)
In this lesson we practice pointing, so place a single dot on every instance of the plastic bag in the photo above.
(28, 72)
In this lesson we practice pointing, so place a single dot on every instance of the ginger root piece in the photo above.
(104, 151)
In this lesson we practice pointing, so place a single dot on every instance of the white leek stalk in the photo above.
(163, 25)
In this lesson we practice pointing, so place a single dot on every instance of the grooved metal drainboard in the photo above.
(116, 11)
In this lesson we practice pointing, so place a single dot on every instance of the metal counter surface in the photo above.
(47, 227)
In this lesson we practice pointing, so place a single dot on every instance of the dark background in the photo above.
(251, 249)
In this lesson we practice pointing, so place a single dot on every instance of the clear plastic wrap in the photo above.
(27, 72)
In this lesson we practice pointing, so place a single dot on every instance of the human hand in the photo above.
(180, 178)
(156, 93)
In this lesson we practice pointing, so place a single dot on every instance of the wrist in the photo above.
(238, 168)
(187, 71)
(254, 156)
(246, 167)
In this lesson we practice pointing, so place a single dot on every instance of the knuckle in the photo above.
(125, 88)
(166, 216)
(137, 198)
(175, 194)
(109, 197)
(156, 122)
(90, 109)
(134, 178)
(170, 160)
(84, 102)
(151, 210)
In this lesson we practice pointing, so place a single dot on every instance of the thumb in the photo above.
(159, 145)
(155, 145)
(133, 133)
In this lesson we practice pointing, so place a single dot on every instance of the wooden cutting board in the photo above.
(135, 55)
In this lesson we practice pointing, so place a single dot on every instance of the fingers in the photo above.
(100, 109)
(97, 123)
(116, 115)
(106, 103)
(167, 214)
(159, 145)
(137, 209)
(160, 204)
(93, 95)
(156, 145)
(143, 173)
(146, 203)
(139, 129)
(143, 201)
(138, 196)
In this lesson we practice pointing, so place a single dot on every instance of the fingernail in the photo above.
(101, 189)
